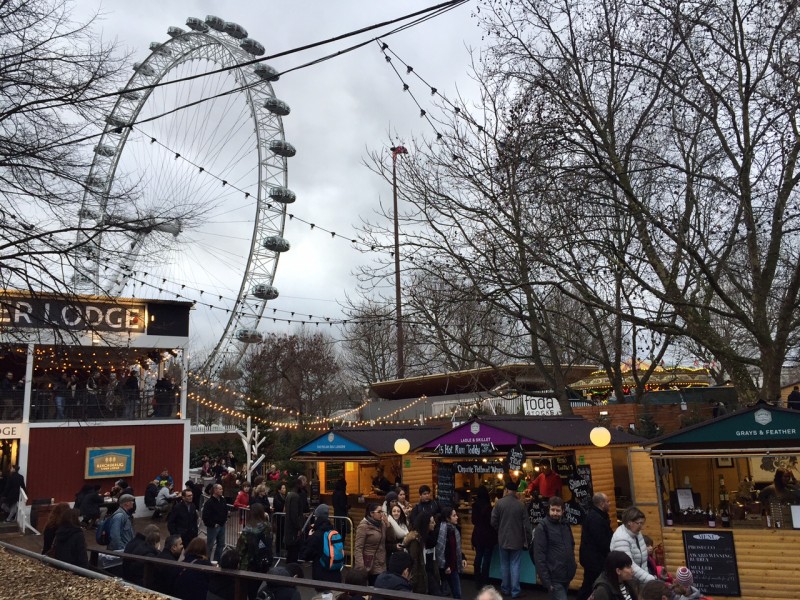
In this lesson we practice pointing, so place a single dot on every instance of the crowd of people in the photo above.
(396, 545)
(125, 394)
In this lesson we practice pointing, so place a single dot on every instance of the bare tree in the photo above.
(299, 372)
(680, 117)
(58, 83)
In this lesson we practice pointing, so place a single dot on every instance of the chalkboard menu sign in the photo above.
(314, 497)
(515, 458)
(333, 473)
(580, 484)
(537, 510)
(565, 466)
(711, 557)
(445, 483)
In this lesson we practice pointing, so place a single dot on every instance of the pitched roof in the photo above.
(548, 432)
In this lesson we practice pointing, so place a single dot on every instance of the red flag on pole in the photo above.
(398, 150)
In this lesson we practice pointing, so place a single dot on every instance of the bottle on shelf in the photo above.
(712, 517)
(669, 518)
(767, 518)
(723, 492)
(725, 517)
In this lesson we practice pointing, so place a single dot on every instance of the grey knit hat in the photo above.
(322, 511)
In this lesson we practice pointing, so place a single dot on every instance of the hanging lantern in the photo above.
(402, 446)
(600, 437)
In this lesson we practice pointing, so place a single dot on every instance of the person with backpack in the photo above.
(325, 548)
(120, 526)
(255, 542)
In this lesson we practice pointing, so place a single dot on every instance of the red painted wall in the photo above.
(57, 457)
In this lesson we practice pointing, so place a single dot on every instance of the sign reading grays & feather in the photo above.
(38, 313)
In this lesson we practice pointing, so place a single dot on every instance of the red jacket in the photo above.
(548, 485)
(242, 500)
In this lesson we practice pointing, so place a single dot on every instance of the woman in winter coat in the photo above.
(398, 522)
(448, 550)
(628, 538)
(616, 581)
(370, 543)
(70, 544)
(279, 506)
(414, 543)
(484, 536)
(49, 533)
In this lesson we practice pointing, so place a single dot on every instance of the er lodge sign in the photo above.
(42, 313)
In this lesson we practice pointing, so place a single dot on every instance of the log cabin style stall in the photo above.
(712, 487)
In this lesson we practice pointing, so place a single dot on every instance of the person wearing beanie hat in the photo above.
(683, 585)
(313, 551)
(390, 497)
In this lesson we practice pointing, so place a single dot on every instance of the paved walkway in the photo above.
(34, 543)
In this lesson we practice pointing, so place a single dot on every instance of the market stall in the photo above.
(488, 450)
(357, 454)
(721, 510)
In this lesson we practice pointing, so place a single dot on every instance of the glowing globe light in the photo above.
(402, 446)
(600, 437)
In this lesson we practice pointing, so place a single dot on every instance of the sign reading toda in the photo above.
(540, 407)
(41, 313)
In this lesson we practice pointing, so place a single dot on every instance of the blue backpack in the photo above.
(332, 557)
(102, 534)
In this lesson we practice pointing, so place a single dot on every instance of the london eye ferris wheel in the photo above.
(187, 192)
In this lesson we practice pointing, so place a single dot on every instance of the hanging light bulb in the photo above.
(600, 436)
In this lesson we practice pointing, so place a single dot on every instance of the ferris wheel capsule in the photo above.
(215, 22)
(144, 69)
(196, 24)
(266, 72)
(158, 48)
(277, 107)
(276, 243)
(252, 47)
(235, 30)
(104, 150)
(175, 31)
(127, 95)
(249, 336)
(93, 181)
(282, 194)
(264, 291)
(282, 148)
(116, 121)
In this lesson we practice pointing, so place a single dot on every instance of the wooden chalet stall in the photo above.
(478, 453)
(65, 435)
(746, 546)
(355, 453)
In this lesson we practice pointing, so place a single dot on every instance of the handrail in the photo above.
(240, 590)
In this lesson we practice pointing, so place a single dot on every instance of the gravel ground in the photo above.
(26, 578)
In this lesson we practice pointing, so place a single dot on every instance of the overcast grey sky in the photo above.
(341, 109)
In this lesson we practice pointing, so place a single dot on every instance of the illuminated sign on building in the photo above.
(111, 461)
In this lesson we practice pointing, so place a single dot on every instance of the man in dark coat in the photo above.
(595, 543)
(294, 521)
(182, 519)
(554, 551)
(215, 515)
(161, 577)
(396, 576)
(14, 483)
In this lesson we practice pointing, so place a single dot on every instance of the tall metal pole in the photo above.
(401, 367)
